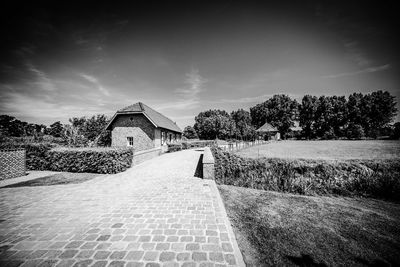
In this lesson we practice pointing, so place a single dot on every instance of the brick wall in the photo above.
(12, 163)
(135, 125)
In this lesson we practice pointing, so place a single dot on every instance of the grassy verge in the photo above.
(278, 229)
(57, 179)
(372, 178)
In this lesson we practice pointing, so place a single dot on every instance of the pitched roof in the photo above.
(155, 117)
(267, 128)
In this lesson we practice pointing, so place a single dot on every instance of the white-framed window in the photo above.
(162, 138)
(129, 141)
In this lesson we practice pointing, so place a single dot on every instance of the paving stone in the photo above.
(83, 263)
(148, 246)
(192, 246)
(134, 255)
(103, 237)
(101, 255)
(134, 264)
(206, 264)
(68, 254)
(117, 255)
(74, 244)
(65, 263)
(117, 264)
(117, 225)
(163, 246)
(230, 259)
(103, 246)
(100, 264)
(170, 264)
(167, 256)
(85, 254)
(150, 255)
(227, 247)
(189, 264)
(48, 263)
(89, 245)
(199, 256)
(216, 256)
(183, 256)
(30, 263)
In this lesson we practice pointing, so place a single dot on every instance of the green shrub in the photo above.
(174, 147)
(198, 143)
(95, 160)
(373, 178)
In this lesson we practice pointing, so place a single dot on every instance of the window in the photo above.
(129, 140)
(162, 138)
(170, 137)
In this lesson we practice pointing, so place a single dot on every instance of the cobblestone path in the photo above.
(154, 214)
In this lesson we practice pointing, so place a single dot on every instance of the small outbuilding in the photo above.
(268, 132)
(142, 128)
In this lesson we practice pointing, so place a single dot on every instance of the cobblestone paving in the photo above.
(154, 214)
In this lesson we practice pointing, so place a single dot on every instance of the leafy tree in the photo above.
(10, 126)
(307, 114)
(323, 117)
(190, 133)
(382, 110)
(56, 129)
(280, 111)
(244, 128)
(339, 119)
(355, 131)
(91, 129)
(214, 124)
(396, 131)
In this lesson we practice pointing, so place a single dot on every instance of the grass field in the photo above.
(328, 150)
(280, 229)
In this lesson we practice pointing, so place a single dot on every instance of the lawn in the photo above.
(280, 229)
(57, 179)
(329, 150)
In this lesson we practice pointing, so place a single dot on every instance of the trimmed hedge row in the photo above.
(93, 160)
(372, 178)
(44, 156)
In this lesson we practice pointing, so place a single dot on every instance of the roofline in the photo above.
(129, 112)
(137, 112)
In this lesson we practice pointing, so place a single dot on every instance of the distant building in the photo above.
(142, 128)
(268, 132)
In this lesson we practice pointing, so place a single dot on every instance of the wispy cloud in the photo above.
(42, 80)
(188, 95)
(96, 82)
(366, 70)
(355, 53)
(246, 99)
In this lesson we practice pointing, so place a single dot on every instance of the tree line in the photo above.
(81, 131)
(324, 117)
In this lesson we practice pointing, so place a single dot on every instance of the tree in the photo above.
(190, 133)
(382, 110)
(280, 111)
(214, 124)
(10, 126)
(92, 129)
(323, 117)
(307, 114)
(244, 128)
(396, 131)
(56, 129)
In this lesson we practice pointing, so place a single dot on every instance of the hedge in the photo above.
(371, 178)
(95, 160)
(44, 156)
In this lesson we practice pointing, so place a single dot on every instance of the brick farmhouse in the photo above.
(142, 128)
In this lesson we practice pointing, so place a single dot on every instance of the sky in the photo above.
(59, 61)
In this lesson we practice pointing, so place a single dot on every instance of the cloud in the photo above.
(188, 95)
(96, 82)
(367, 70)
(42, 80)
(245, 99)
(355, 53)
(194, 82)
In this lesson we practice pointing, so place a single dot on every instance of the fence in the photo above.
(236, 146)
(12, 163)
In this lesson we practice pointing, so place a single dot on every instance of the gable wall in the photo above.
(135, 125)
